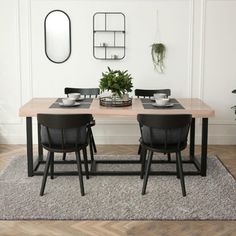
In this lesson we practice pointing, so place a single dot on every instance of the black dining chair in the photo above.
(63, 134)
(148, 93)
(163, 134)
(86, 93)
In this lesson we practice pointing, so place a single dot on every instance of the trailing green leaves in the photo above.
(158, 54)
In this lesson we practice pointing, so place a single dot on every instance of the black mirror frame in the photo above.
(45, 41)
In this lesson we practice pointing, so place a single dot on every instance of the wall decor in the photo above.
(158, 54)
(109, 35)
(158, 49)
(57, 36)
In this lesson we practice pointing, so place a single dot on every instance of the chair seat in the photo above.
(63, 133)
(67, 148)
(162, 149)
(163, 134)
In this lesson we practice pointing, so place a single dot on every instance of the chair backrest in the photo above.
(150, 92)
(59, 131)
(86, 92)
(164, 131)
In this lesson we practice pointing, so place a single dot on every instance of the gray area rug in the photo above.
(117, 197)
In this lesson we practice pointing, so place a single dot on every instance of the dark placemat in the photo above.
(85, 100)
(148, 100)
(82, 105)
(150, 106)
(147, 104)
(85, 103)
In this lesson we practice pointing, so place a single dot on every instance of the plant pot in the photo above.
(125, 97)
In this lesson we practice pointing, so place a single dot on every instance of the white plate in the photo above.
(153, 99)
(167, 105)
(74, 105)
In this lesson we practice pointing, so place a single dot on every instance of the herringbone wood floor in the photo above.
(120, 228)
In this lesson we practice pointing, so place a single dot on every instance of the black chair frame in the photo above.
(86, 93)
(178, 123)
(149, 93)
(61, 123)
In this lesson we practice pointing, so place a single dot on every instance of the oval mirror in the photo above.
(57, 34)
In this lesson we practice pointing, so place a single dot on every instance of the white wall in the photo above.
(200, 37)
(10, 76)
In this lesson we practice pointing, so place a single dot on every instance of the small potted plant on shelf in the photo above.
(118, 82)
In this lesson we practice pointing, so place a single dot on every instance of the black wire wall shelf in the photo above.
(109, 42)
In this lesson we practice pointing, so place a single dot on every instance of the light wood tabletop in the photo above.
(193, 106)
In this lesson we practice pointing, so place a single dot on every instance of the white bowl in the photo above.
(162, 101)
(159, 95)
(74, 95)
(68, 101)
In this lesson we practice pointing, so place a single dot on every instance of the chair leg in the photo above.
(64, 156)
(91, 145)
(177, 167)
(86, 162)
(169, 157)
(91, 151)
(143, 160)
(139, 149)
(78, 159)
(147, 172)
(45, 175)
(93, 142)
(180, 167)
(52, 166)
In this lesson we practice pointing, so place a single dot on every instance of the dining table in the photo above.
(194, 106)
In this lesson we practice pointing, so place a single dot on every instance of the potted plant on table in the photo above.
(116, 81)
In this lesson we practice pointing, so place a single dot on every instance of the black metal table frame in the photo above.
(201, 168)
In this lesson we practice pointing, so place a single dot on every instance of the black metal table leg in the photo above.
(204, 146)
(192, 139)
(40, 148)
(29, 145)
(200, 168)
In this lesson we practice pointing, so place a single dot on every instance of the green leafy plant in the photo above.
(116, 81)
(158, 54)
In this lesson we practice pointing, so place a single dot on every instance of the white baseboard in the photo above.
(217, 140)
(117, 139)
(222, 140)
(13, 139)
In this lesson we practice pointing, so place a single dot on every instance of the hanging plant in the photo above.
(158, 55)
